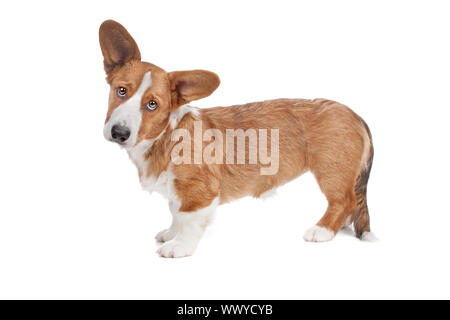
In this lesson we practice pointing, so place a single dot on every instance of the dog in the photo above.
(149, 116)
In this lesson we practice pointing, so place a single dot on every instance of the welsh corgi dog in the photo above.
(201, 158)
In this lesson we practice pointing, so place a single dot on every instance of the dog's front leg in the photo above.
(170, 233)
(186, 231)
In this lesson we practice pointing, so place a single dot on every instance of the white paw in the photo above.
(176, 249)
(165, 235)
(368, 236)
(318, 234)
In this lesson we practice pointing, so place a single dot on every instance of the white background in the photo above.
(75, 223)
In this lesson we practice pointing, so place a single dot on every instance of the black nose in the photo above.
(120, 133)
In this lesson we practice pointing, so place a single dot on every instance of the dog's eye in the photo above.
(151, 105)
(121, 92)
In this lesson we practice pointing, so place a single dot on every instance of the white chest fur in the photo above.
(162, 184)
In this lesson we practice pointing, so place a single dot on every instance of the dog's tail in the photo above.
(361, 220)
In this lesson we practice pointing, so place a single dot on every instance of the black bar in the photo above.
(216, 309)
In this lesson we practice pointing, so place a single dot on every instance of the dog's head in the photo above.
(142, 95)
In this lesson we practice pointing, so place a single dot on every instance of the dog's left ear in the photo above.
(118, 46)
(187, 86)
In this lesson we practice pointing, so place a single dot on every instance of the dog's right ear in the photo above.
(118, 47)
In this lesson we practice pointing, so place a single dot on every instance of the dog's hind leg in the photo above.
(336, 171)
(340, 208)
(342, 171)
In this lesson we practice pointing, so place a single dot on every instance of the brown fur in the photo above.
(361, 221)
(319, 135)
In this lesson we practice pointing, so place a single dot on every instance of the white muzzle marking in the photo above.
(129, 113)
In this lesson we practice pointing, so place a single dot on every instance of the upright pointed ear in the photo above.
(118, 47)
(187, 86)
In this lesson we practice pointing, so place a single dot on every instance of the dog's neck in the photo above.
(152, 156)
(147, 152)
